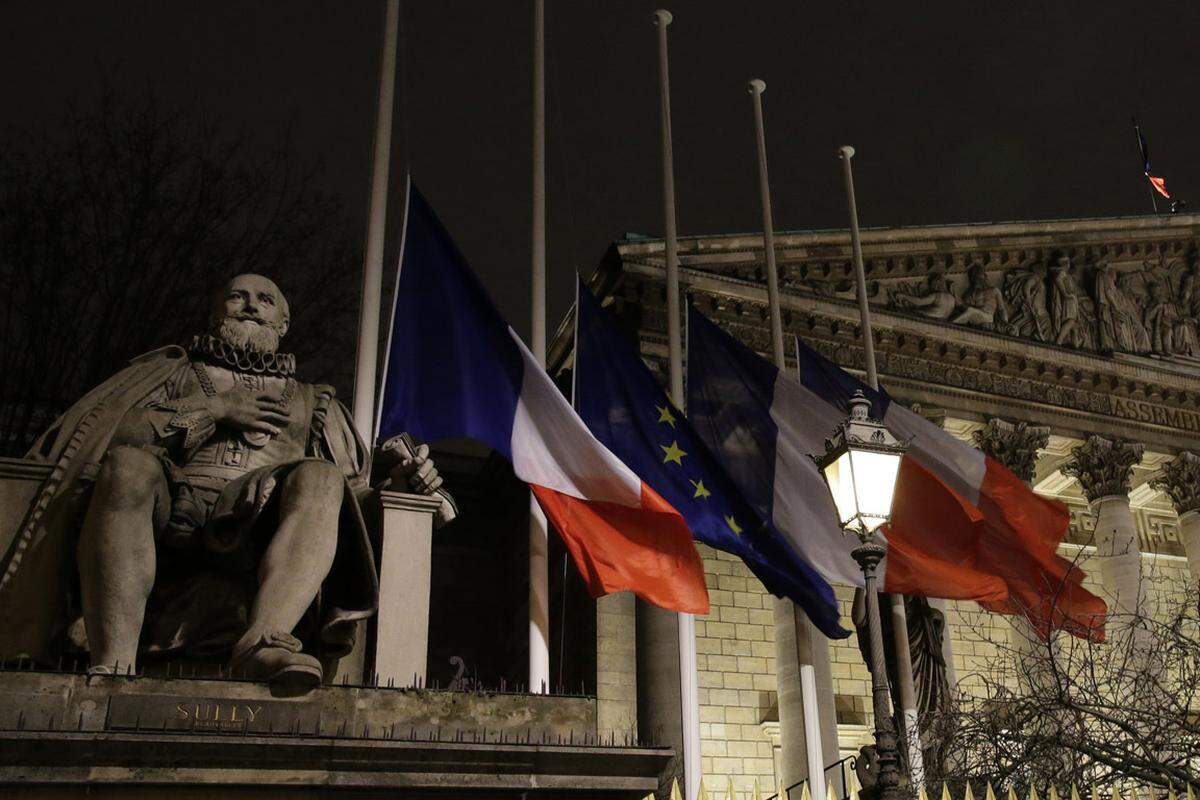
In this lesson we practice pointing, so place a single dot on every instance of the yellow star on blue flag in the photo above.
(673, 453)
(702, 491)
(732, 523)
(665, 415)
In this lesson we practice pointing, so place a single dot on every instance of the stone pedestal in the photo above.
(616, 664)
(68, 735)
(400, 644)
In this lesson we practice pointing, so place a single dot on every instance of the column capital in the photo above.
(1180, 479)
(1013, 444)
(1104, 466)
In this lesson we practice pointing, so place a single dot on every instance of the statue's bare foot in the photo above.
(275, 657)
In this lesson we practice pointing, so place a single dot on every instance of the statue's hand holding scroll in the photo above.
(415, 472)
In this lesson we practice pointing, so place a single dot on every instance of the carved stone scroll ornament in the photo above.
(1104, 466)
(1180, 480)
(1013, 444)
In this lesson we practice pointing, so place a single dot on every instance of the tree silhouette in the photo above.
(117, 226)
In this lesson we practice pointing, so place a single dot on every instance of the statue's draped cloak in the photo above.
(38, 575)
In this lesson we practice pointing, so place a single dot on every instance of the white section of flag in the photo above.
(953, 462)
(552, 447)
(803, 508)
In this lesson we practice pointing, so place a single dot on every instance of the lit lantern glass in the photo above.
(860, 465)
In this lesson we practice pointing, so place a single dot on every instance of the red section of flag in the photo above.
(646, 550)
(934, 541)
(1002, 552)
(1159, 184)
(1026, 530)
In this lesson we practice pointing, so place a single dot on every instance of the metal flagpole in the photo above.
(1137, 131)
(372, 281)
(539, 543)
(899, 618)
(688, 681)
(806, 638)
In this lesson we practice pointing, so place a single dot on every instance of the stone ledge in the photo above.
(229, 760)
(63, 735)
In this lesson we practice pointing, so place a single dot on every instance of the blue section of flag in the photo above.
(730, 390)
(453, 368)
(625, 408)
(833, 384)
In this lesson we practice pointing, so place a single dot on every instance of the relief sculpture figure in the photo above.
(1026, 293)
(1166, 327)
(204, 503)
(938, 302)
(1119, 322)
(984, 304)
(1068, 328)
(1189, 290)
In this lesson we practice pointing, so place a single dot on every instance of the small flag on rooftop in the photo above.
(1159, 184)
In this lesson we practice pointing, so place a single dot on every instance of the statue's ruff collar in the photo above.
(216, 351)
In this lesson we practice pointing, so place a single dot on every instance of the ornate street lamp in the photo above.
(860, 464)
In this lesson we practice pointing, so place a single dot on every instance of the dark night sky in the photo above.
(959, 111)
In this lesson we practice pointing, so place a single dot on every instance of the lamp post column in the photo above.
(868, 555)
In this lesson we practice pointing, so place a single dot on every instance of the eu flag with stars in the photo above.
(623, 405)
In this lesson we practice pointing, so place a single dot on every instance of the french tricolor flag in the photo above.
(455, 369)
(963, 526)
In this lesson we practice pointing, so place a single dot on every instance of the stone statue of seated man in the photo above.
(211, 501)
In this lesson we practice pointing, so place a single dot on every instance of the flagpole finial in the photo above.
(757, 86)
(846, 151)
(663, 17)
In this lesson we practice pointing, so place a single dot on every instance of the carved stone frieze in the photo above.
(1139, 294)
(1013, 444)
(1104, 466)
(1180, 480)
(1157, 531)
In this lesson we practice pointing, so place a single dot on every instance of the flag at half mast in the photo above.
(623, 404)
(963, 526)
(455, 368)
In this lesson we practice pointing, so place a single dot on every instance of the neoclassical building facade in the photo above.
(1069, 350)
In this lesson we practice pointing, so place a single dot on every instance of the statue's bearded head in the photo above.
(251, 314)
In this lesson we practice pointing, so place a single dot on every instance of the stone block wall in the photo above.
(735, 653)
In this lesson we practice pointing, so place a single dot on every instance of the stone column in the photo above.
(1103, 468)
(1180, 479)
(400, 647)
